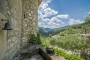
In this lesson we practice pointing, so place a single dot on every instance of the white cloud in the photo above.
(44, 4)
(73, 21)
(88, 12)
(44, 11)
(49, 18)
(49, 12)
(46, 1)
(65, 16)
(54, 22)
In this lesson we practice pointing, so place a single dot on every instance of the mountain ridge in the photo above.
(48, 31)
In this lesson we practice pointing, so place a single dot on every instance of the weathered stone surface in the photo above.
(12, 10)
(28, 52)
(3, 34)
(23, 17)
(35, 57)
(30, 18)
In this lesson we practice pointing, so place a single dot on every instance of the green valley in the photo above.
(71, 39)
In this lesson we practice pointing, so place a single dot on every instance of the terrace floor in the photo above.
(38, 57)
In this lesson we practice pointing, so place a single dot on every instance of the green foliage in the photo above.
(46, 33)
(50, 35)
(38, 38)
(70, 39)
(43, 31)
(53, 42)
(67, 56)
(35, 39)
(63, 53)
(44, 43)
(62, 34)
(87, 20)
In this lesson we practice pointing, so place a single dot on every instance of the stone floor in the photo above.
(35, 57)
(38, 57)
(54, 57)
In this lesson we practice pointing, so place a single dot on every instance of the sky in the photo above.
(59, 13)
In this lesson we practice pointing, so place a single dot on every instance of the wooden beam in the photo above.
(39, 2)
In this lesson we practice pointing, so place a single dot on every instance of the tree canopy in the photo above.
(87, 20)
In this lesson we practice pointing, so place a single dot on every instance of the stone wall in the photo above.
(3, 42)
(12, 10)
(3, 34)
(23, 17)
(30, 19)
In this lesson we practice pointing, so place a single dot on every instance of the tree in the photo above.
(50, 35)
(35, 39)
(87, 20)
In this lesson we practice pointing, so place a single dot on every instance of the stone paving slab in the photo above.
(35, 57)
(57, 58)
(38, 57)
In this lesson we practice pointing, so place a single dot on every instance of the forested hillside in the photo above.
(71, 39)
(47, 31)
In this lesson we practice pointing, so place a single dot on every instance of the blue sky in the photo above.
(59, 13)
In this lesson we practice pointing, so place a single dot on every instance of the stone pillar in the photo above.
(30, 19)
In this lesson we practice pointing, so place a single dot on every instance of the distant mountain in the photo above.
(43, 31)
(47, 31)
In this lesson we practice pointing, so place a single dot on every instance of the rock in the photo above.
(35, 57)
(29, 52)
(24, 52)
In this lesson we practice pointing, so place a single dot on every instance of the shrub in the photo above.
(62, 34)
(52, 41)
(35, 39)
(67, 56)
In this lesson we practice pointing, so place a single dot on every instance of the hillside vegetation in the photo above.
(47, 31)
(70, 39)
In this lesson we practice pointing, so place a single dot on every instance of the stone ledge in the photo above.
(27, 52)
